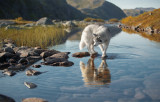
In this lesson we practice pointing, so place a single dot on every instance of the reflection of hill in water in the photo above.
(152, 37)
(113, 29)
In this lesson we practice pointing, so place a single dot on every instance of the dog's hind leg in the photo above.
(105, 46)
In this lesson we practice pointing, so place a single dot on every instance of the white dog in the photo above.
(94, 35)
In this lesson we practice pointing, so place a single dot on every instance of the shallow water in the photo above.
(131, 73)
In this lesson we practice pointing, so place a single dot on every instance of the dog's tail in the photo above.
(81, 45)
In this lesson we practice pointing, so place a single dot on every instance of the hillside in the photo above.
(35, 9)
(136, 11)
(148, 19)
(98, 8)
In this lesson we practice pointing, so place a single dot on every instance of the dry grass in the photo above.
(36, 36)
(147, 19)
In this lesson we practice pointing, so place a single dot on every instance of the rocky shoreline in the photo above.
(13, 58)
(148, 30)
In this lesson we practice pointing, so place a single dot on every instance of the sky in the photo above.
(130, 4)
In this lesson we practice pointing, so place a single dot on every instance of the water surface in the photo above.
(131, 73)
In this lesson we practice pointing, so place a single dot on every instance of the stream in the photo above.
(131, 73)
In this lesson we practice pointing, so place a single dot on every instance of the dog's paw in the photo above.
(104, 56)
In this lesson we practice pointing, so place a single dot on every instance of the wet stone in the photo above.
(8, 72)
(23, 61)
(4, 66)
(32, 72)
(48, 53)
(80, 54)
(36, 66)
(61, 55)
(30, 85)
(34, 100)
(8, 49)
(4, 98)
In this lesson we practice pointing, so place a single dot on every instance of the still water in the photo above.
(131, 73)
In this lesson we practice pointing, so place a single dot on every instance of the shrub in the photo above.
(89, 19)
(114, 20)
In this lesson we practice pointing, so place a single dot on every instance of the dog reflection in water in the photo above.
(95, 76)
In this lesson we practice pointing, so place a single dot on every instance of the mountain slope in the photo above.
(35, 9)
(136, 11)
(98, 8)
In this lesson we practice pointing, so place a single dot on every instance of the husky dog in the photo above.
(94, 35)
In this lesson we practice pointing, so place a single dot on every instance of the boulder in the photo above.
(36, 66)
(32, 72)
(34, 100)
(49, 61)
(48, 53)
(9, 49)
(80, 54)
(61, 55)
(9, 45)
(44, 21)
(65, 63)
(17, 67)
(30, 86)
(4, 98)
(33, 59)
(5, 55)
(9, 72)
(4, 66)
(23, 61)
(69, 24)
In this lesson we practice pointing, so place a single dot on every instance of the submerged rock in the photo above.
(4, 98)
(80, 54)
(30, 85)
(32, 72)
(34, 100)
(36, 66)
(9, 73)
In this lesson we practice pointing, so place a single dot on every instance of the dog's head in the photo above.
(97, 40)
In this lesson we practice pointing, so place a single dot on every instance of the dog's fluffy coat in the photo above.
(94, 35)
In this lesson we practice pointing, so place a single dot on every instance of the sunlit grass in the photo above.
(147, 19)
(35, 36)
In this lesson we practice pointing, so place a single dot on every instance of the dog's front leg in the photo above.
(105, 46)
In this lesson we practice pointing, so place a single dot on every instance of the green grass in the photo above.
(35, 36)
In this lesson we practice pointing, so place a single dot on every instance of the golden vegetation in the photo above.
(147, 19)
(35, 36)
(20, 21)
(113, 20)
(89, 19)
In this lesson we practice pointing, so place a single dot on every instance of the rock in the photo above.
(4, 66)
(4, 98)
(30, 85)
(38, 47)
(69, 24)
(23, 61)
(29, 25)
(39, 51)
(80, 54)
(44, 21)
(16, 67)
(9, 49)
(34, 100)
(9, 73)
(48, 53)
(4, 56)
(33, 59)
(32, 72)
(50, 61)
(61, 55)
(36, 66)
(9, 45)
(65, 63)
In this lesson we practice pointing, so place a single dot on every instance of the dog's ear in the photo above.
(95, 35)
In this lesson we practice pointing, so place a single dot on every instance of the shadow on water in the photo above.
(95, 76)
